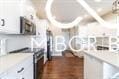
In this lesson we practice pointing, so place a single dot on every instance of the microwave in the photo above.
(27, 27)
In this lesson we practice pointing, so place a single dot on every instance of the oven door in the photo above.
(40, 66)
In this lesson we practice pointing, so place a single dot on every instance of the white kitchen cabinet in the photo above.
(109, 71)
(29, 73)
(28, 10)
(93, 68)
(3, 76)
(95, 29)
(10, 12)
(23, 70)
(9, 16)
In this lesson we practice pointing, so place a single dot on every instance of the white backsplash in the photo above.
(3, 47)
(15, 42)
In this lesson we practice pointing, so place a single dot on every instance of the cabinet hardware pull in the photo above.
(3, 22)
(20, 70)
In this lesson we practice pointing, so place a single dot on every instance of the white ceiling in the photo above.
(68, 10)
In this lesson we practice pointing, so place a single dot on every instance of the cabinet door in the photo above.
(23, 70)
(93, 68)
(28, 69)
(9, 16)
(12, 74)
(3, 76)
(2, 18)
(28, 73)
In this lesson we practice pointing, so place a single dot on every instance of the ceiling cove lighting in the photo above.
(56, 23)
(96, 16)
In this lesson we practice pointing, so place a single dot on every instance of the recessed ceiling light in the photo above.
(97, 0)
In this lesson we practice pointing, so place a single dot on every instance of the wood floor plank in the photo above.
(64, 68)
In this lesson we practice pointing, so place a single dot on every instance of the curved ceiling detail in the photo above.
(78, 19)
(56, 23)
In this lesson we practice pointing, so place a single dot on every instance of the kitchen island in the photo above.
(100, 64)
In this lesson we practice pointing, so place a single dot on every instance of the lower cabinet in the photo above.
(93, 68)
(110, 71)
(97, 69)
(28, 74)
(3, 76)
(23, 70)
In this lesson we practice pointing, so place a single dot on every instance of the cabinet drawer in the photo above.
(25, 63)
(3, 76)
(28, 74)
(18, 70)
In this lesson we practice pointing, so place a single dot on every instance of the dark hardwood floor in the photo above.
(64, 68)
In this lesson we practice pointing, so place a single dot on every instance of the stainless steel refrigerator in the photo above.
(49, 45)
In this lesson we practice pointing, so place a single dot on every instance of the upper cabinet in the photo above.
(10, 12)
(95, 29)
(41, 27)
(28, 10)
(9, 16)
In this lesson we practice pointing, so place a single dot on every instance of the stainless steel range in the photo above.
(38, 60)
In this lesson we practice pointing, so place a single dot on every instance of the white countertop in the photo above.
(105, 56)
(8, 61)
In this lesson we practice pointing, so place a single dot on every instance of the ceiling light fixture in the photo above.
(115, 7)
(56, 23)
(115, 10)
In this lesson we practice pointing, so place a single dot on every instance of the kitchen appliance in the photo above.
(27, 27)
(38, 60)
(49, 45)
